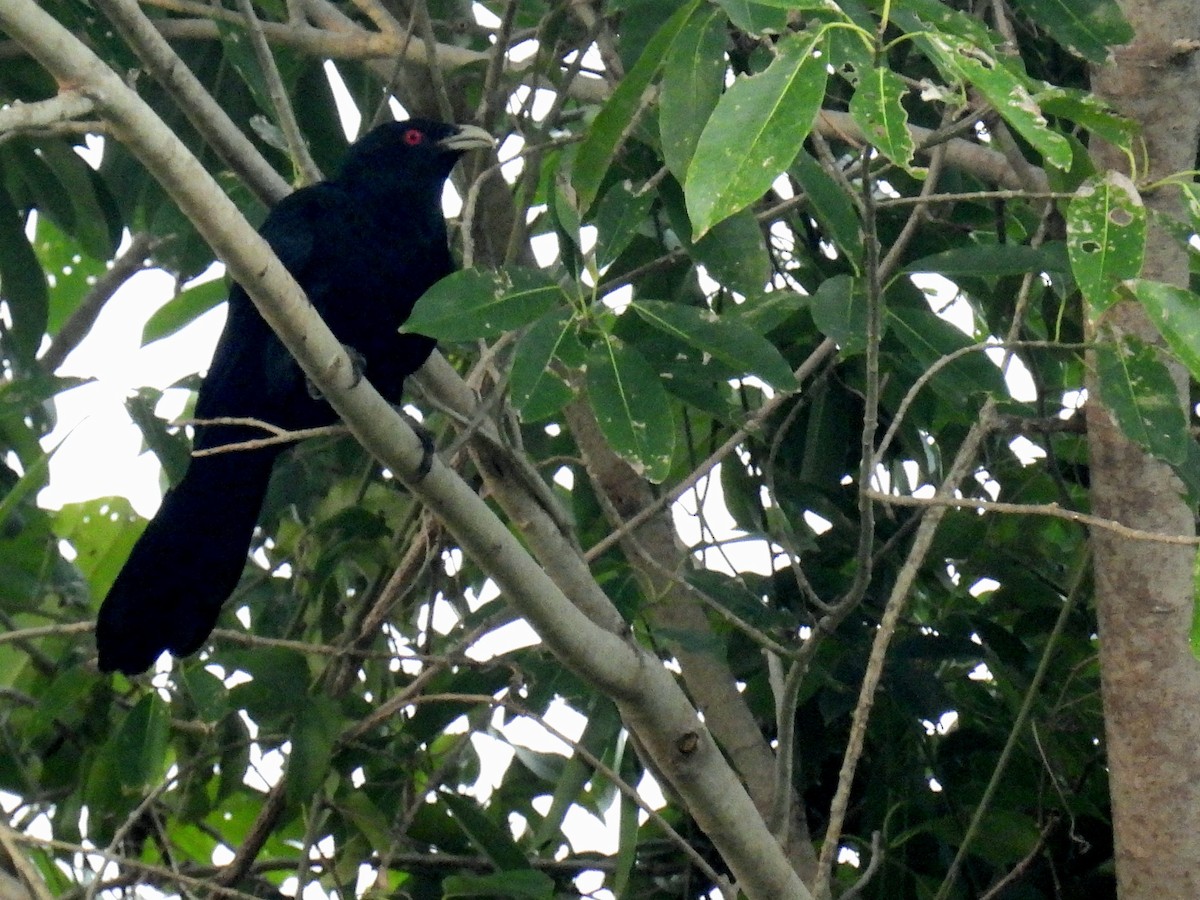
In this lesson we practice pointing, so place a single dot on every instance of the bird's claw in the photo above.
(427, 447)
(358, 365)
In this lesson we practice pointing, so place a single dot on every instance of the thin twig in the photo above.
(29, 877)
(278, 435)
(41, 113)
(424, 28)
(898, 597)
(983, 807)
(80, 322)
(252, 844)
(29, 634)
(1038, 509)
(928, 375)
(277, 94)
(194, 99)
(802, 373)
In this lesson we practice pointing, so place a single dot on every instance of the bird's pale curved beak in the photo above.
(469, 137)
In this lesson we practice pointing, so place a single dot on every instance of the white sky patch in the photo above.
(510, 150)
(485, 16)
(618, 301)
(347, 110)
(944, 299)
(1072, 402)
(983, 586)
(737, 552)
(981, 673)
(502, 640)
(1026, 450)
(100, 456)
(545, 248)
(1017, 377)
(818, 524)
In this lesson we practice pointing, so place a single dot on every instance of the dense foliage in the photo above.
(737, 210)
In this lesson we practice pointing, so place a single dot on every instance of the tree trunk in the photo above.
(1144, 592)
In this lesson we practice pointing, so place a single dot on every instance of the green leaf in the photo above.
(522, 885)
(1085, 27)
(922, 16)
(756, 131)
(535, 389)
(493, 840)
(102, 532)
(1191, 197)
(876, 108)
(734, 250)
(22, 282)
(839, 307)
(987, 70)
(1106, 237)
(1175, 312)
(474, 303)
(33, 479)
(811, 5)
(993, 261)
(70, 270)
(314, 732)
(169, 443)
(735, 253)
(693, 77)
(632, 407)
(601, 733)
(187, 306)
(627, 844)
(755, 18)
(830, 206)
(928, 338)
(734, 596)
(608, 130)
(140, 743)
(1138, 390)
(729, 342)
(1090, 112)
(240, 52)
(618, 217)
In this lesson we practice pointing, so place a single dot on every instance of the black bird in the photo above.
(364, 246)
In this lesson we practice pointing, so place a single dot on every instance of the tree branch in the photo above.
(652, 704)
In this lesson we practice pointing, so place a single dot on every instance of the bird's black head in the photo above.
(415, 151)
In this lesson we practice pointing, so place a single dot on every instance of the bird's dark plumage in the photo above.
(364, 246)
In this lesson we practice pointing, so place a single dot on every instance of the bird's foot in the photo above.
(427, 446)
(358, 365)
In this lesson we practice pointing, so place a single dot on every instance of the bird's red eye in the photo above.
(413, 137)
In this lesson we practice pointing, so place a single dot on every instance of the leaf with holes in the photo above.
(1106, 237)
(1006, 90)
(876, 108)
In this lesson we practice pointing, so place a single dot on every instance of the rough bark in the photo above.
(1144, 593)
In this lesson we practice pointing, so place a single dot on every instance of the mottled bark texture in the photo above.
(1144, 594)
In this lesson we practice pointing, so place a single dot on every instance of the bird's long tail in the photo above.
(186, 563)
